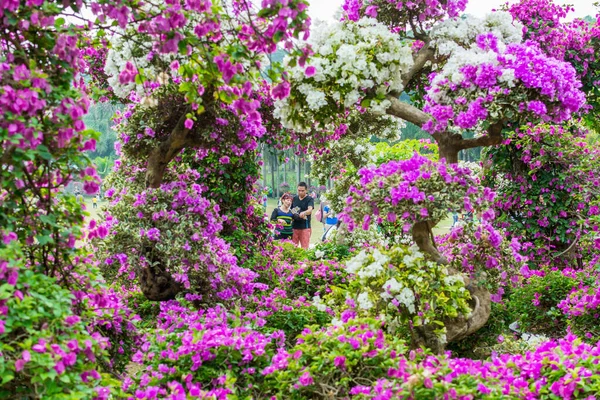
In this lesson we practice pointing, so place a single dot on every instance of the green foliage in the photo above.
(103, 165)
(46, 351)
(146, 309)
(329, 251)
(361, 350)
(403, 150)
(311, 277)
(292, 253)
(99, 118)
(547, 291)
(293, 322)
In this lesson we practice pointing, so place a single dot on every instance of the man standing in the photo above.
(302, 206)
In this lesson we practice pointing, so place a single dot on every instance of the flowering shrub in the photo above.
(484, 254)
(107, 312)
(202, 354)
(399, 14)
(546, 180)
(545, 373)
(403, 288)
(172, 231)
(535, 304)
(330, 251)
(348, 157)
(474, 81)
(412, 190)
(574, 41)
(284, 187)
(293, 320)
(327, 363)
(581, 307)
(47, 350)
(304, 278)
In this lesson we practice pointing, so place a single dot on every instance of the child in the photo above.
(282, 215)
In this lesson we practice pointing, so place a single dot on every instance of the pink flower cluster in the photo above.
(571, 41)
(190, 343)
(564, 369)
(408, 190)
(424, 13)
(552, 85)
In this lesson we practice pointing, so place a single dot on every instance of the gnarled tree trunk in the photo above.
(456, 328)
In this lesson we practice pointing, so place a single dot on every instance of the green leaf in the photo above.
(43, 152)
(7, 376)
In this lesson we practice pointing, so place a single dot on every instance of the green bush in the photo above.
(328, 363)
(534, 304)
(294, 321)
(46, 352)
(330, 251)
(292, 253)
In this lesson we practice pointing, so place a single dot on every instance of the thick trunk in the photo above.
(264, 166)
(158, 286)
(449, 146)
(278, 181)
(298, 169)
(423, 237)
(155, 283)
(448, 152)
(165, 152)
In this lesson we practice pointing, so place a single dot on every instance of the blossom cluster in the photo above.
(363, 58)
(484, 253)
(572, 41)
(465, 91)
(545, 372)
(401, 14)
(204, 52)
(475, 81)
(412, 190)
(458, 34)
(218, 354)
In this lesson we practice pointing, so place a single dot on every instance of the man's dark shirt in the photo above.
(306, 202)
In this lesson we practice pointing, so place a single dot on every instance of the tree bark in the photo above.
(425, 54)
(407, 112)
(272, 159)
(422, 235)
(155, 283)
(165, 152)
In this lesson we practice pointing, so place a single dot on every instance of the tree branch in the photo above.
(493, 137)
(425, 54)
(407, 112)
(165, 152)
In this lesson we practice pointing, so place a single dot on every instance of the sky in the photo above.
(325, 9)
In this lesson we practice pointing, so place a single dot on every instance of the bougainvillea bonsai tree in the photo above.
(196, 96)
